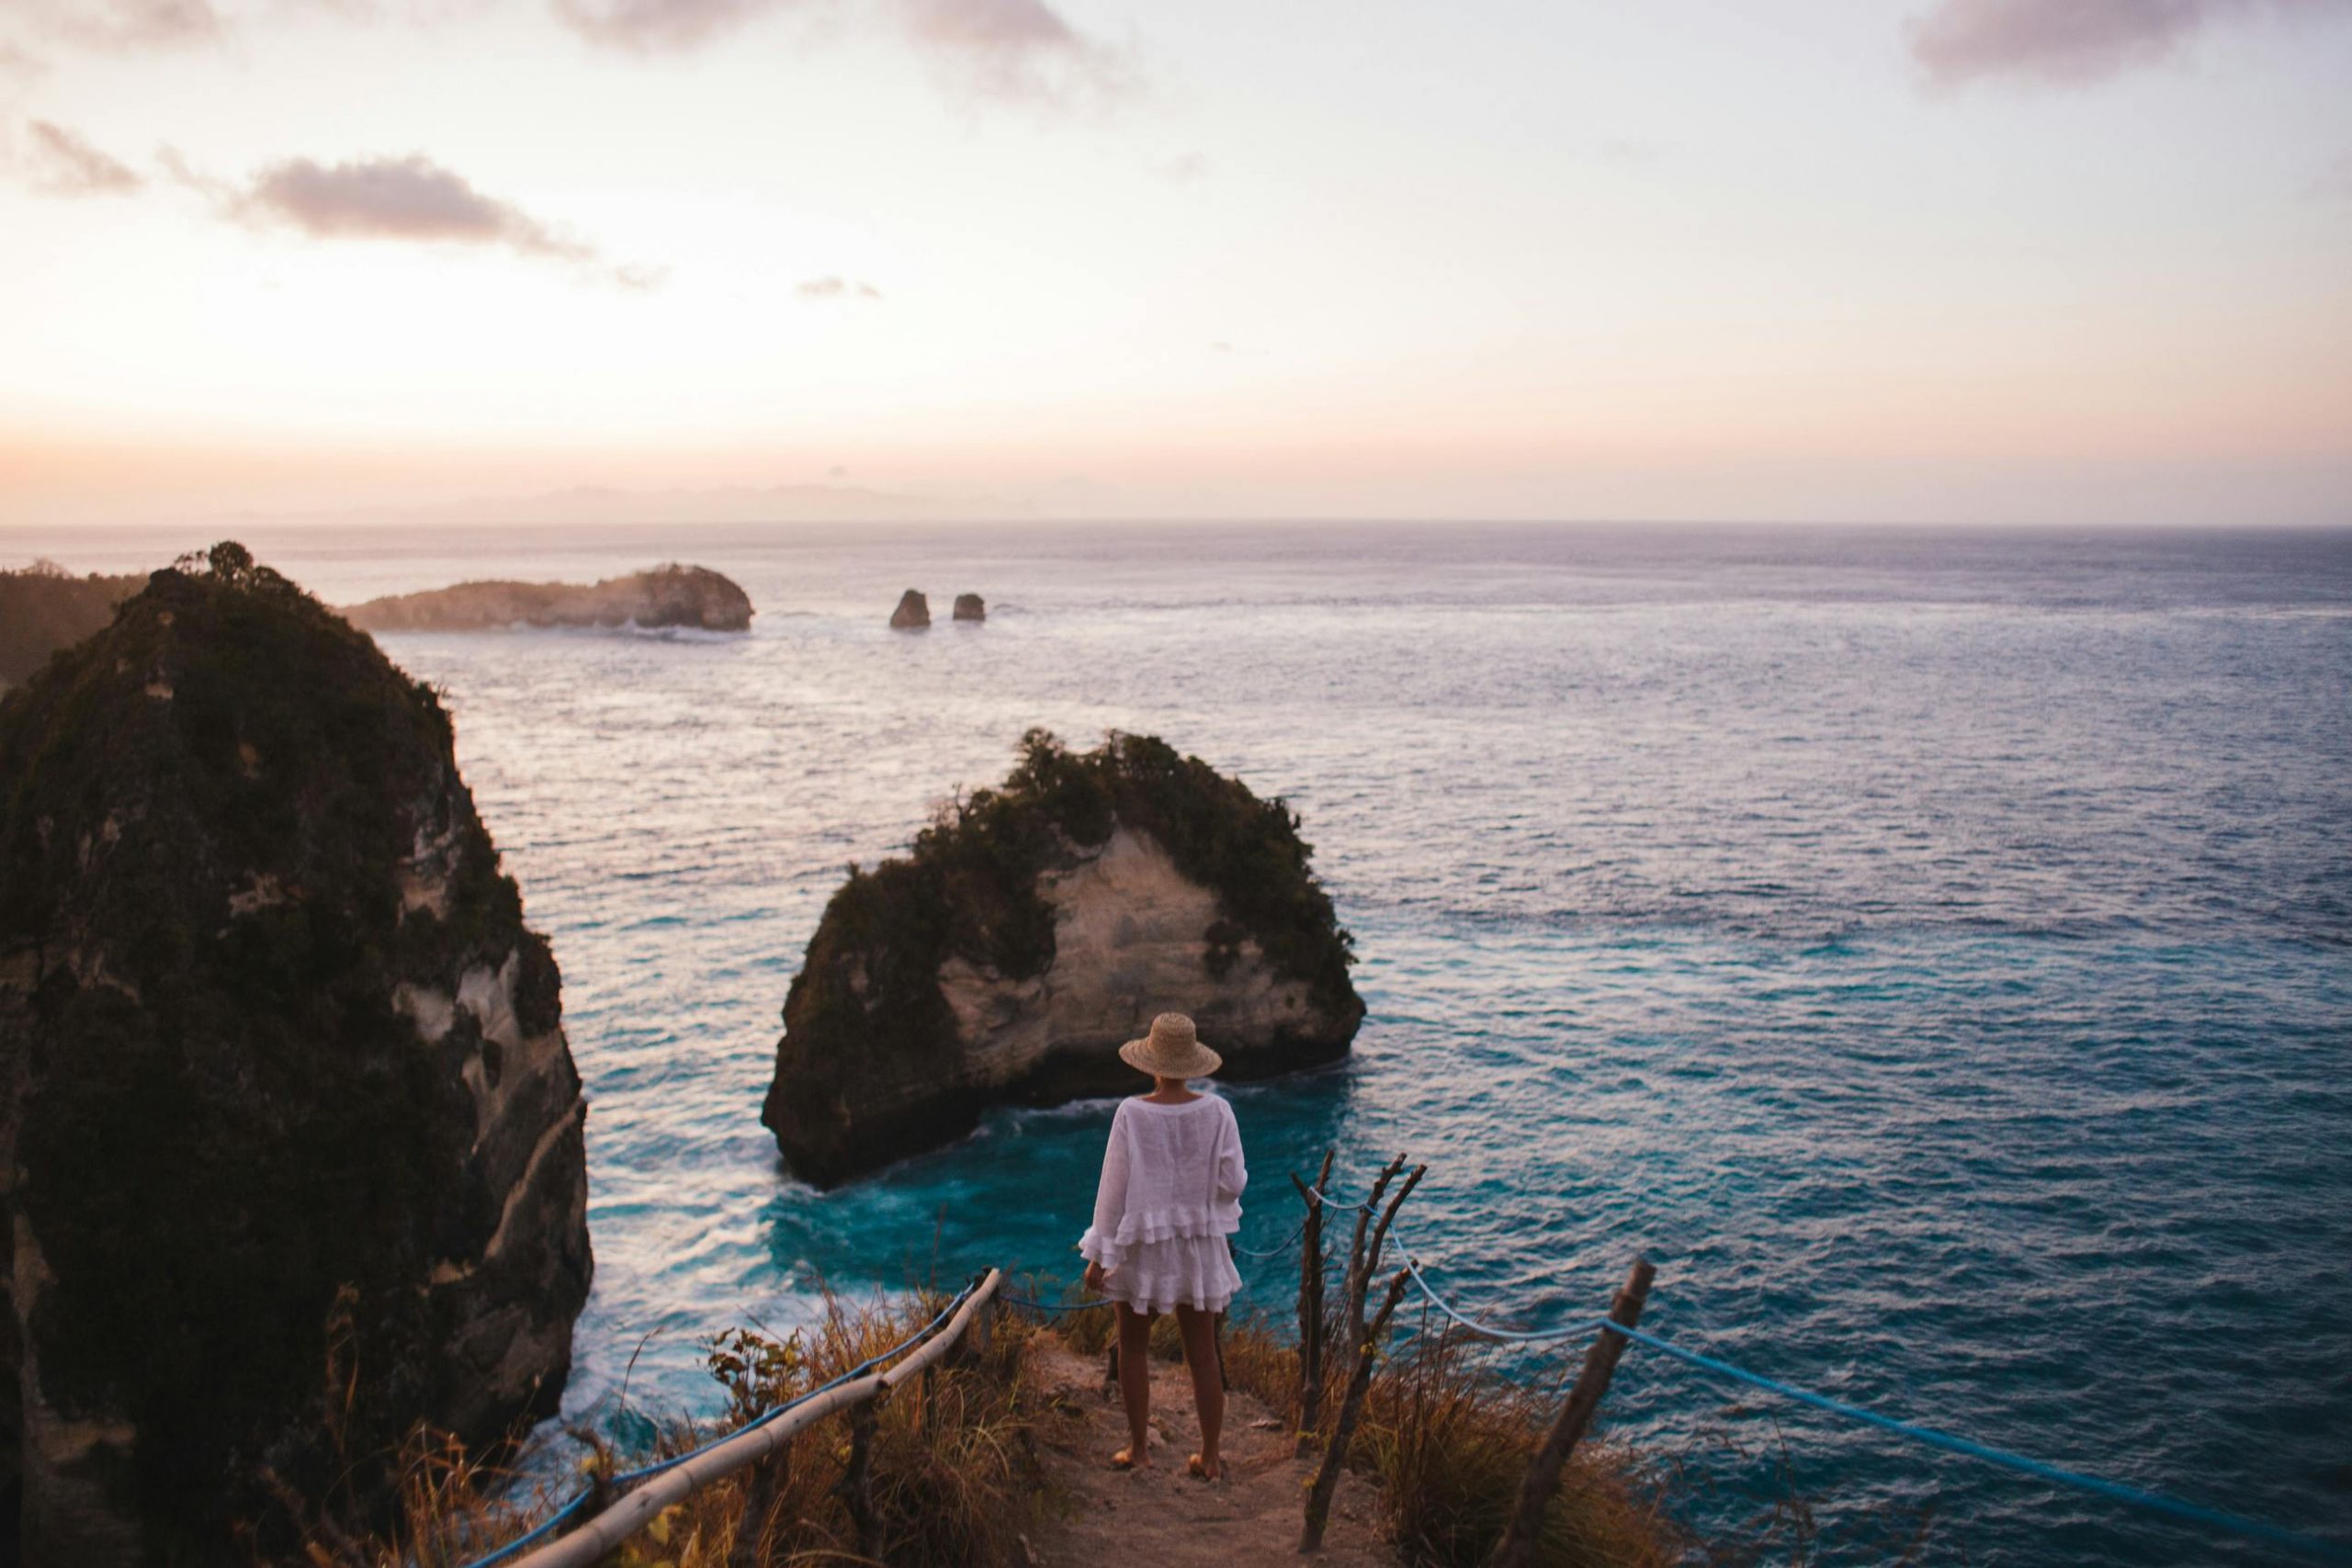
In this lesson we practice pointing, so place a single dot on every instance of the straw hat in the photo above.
(1172, 1050)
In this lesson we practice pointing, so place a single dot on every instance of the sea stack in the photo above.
(1034, 928)
(913, 612)
(662, 598)
(290, 1134)
(971, 607)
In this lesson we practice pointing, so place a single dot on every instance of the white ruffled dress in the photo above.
(1172, 1193)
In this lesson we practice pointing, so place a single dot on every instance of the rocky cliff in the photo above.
(689, 596)
(290, 1138)
(44, 609)
(1036, 927)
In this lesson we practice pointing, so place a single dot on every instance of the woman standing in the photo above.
(1171, 1194)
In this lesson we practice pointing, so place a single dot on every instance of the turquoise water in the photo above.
(1934, 951)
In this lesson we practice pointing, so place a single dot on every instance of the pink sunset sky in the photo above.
(2009, 261)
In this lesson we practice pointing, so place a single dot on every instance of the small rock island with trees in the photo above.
(1036, 926)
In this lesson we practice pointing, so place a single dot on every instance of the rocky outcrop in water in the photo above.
(681, 596)
(1034, 928)
(913, 612)
(290, 1138)
(971, 607)
(44, 608)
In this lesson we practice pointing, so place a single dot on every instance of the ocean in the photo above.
(1933, 949)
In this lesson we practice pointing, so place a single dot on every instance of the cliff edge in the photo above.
(1036, 926)
(689, 597)
(291, 1136)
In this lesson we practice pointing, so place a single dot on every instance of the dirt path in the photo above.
(1158, 1518)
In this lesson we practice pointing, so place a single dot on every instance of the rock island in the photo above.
(1036, 926)
(686, 596)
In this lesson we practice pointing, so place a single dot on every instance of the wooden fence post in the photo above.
(1310, 1304)
(857, 1480)
(1517, 1548)
(768, 1477)
(1343, 1424)
(1364, 1262)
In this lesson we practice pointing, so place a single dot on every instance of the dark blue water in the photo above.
(1933, 950)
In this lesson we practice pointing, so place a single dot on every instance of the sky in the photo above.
(2074, 261)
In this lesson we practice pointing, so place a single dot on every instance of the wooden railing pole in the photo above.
(1517, 1548)
(594, 1541)
(1343, 1424)
(1310, 1304)
(857, 1482)
(768, 1476)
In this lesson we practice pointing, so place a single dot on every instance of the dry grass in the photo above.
(1449, 1439)
(955, 1478)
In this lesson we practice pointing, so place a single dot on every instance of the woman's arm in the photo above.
(1232, 1175)
(1099, 1246)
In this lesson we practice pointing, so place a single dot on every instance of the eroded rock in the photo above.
(1037, 927)
(290, 1138)
(913, 612)
(971, 607)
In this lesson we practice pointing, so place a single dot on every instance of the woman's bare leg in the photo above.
(1135, 1385)
(1199, 1332)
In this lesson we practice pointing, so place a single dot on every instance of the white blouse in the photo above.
(1170, 1170)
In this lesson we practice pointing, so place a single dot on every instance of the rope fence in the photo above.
(2116, 1491)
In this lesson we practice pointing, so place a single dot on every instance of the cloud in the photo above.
(396, 198)
(1014, 49)
(62, 163)
(834, 288)
(2069, 42)
(127, 25)
(411, 199)
(656, 25)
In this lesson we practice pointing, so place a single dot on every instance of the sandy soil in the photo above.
(1160, 1517)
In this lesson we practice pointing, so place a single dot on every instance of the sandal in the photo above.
(1126, 1460)
(1195, 1467)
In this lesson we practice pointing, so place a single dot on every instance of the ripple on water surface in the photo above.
(1934, 951)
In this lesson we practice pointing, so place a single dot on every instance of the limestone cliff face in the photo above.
(689, 596)
(1033, 930)
(290, 1138)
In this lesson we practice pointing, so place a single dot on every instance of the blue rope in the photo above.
(2195, 1513)
(546, 1527)
(645, 1472)
(1033, 1304)
(1319, 1202)
(1276, 1251)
